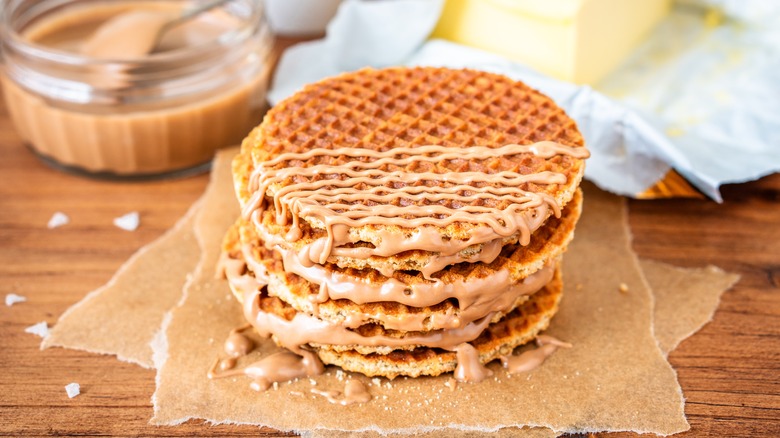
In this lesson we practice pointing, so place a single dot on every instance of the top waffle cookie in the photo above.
(380, 162)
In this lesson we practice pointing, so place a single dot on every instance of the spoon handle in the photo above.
(193, 12)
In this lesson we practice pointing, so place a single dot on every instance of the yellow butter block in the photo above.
(575, 40)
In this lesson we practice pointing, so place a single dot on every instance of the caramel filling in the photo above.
(476, 297)
(305, 329)
(487, 254)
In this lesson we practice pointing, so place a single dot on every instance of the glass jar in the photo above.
(160, 114)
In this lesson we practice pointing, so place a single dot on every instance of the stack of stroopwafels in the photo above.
(405, 221)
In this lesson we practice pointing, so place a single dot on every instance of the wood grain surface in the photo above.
(729, 372)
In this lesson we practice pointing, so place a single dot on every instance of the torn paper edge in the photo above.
(411, 431)
(635, 258)
(159, 343)
(642, 276)
(48, 342)
(734, 280)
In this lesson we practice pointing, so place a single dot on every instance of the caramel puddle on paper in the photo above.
(354, 392)
(529, 360)
(280, 367)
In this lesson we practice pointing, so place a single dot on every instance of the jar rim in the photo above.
(14, 39)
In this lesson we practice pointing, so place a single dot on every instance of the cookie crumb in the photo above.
(451, 383)
(623, 288)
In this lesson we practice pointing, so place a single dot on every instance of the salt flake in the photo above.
(57, 220)
(12, 299)
(41, 329)
(73, 389)
(128, 222)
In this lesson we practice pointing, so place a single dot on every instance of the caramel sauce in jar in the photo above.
(162, 113)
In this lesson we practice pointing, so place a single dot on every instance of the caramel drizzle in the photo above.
(336, 202)
(425, 239)
(470, 367)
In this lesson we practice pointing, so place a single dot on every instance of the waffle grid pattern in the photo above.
(387, 109)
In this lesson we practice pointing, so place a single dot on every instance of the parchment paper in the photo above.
(615, 378)
(121, 317)
(510, 432)
(686, 298)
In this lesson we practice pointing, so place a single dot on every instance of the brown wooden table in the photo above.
(729, 371)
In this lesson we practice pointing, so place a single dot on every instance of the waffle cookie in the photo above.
(471, 119)
(427, 304)
(411, 356)
(393, 217)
